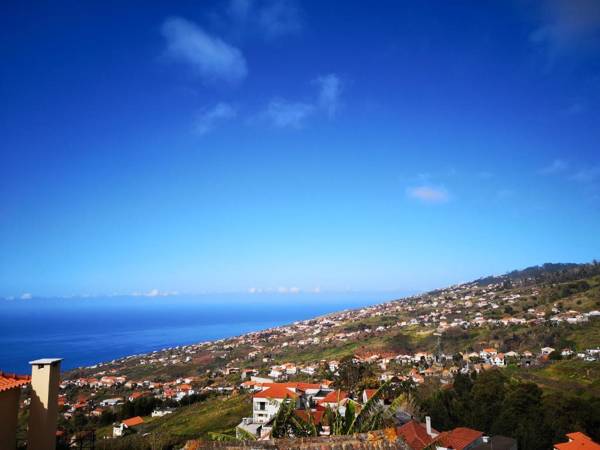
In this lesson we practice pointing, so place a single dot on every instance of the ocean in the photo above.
(86, 331)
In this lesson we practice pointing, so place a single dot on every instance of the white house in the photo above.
(161, 412)
(498, 360)
(266, 403)
(128, 424)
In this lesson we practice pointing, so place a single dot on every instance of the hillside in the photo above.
(426, 338)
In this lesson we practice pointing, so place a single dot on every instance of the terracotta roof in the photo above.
(317, 416)
(334, 397)
(370, 393)
(135, 395)
(458, 438)
(276, 391)
(415, 435)
(578, 441)
(302, 386)
(133, 421)
(11, 381)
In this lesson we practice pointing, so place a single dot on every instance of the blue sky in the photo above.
(272, 145)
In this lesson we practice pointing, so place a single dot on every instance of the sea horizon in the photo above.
(89, 331)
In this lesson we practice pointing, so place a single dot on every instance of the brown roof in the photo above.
(415, 435)
(458, 438)
(133, 421)
(315, 416)
(11, 381)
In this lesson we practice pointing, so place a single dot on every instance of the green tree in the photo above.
(488, 394)
(522, 417)
(350, 372)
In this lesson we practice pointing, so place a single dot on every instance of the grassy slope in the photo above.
(195, 421)
(578, 377)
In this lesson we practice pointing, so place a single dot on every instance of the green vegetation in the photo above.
(575, 376)
(494, 403)
(196, 421)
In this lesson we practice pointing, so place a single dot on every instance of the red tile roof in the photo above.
(370, 393)
(415, 435)
(578, 441)
(11, 381)
(276, 391)
(334, 397)
(316, 416)
(301, 386)
(458, 438)
(133, 421)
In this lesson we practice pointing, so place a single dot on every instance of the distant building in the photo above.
(577, 441)
(128, 425)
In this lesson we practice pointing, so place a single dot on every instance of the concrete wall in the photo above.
(43, 411)
(9, 409)
(376, 440)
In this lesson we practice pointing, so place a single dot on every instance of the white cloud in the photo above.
(428, 194)
(26, 296)
(269, 18)
(209, 56)
(587, 175)
(155, 293)
(567, 26)
(279, 290)
(279, 17)
(284, 114)
(557, 166)
(240, 10)
(330, 90)
(208, 118)
(288, 114)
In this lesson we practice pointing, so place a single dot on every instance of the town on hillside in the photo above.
(494, 363)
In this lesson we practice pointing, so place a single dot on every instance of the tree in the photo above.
(522, 417)
(351, 372)
(487, 396)
(555, 355)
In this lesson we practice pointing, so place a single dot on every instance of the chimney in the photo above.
(43, 411)
(428, 424)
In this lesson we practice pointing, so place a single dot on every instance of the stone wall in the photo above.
(375, 440)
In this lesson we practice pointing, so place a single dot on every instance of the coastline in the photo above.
(102, 330)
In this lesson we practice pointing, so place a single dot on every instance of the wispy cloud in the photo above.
(284, 114)
(330, 91)
(209, 56)
(270, 18)
(208, 118)
(575, 108)
(504, 194)
(484, 175)
(26, 296)
(428, 194)
(279, 290)
(154, 293)
(293, 114)
(556, 166)
(587, 175)
(568, 26)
